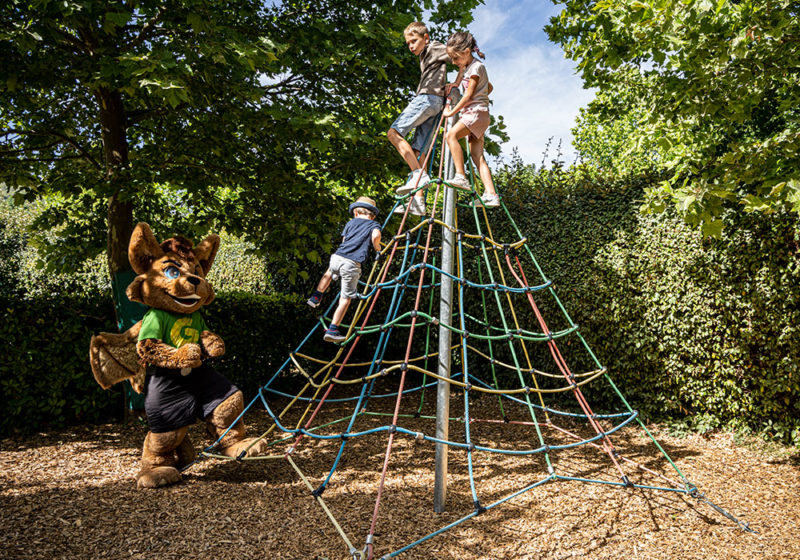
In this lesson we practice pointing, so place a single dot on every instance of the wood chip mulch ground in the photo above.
(70, 494)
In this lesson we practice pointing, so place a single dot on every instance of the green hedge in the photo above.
(698, 329)
(45, 378)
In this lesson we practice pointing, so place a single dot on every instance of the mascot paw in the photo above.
(157, 477)
(258, 449)
(189, 356)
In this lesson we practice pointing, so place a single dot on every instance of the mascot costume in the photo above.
(162, 355)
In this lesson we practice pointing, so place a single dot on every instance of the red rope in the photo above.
(417, 299)
(562, 365)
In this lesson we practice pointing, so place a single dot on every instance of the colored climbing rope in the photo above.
(503, 342)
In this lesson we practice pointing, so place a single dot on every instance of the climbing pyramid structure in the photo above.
(455, 315)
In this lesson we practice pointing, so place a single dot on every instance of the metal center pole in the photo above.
(445, 317)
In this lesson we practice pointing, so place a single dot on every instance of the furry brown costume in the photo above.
(173, 341)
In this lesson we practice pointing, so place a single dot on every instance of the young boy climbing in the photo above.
(357, 236)
(474, 107)
(423, 111)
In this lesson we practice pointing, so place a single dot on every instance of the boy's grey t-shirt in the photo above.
(357, 235)
(433, 69)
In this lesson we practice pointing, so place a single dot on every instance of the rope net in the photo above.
(503, 352)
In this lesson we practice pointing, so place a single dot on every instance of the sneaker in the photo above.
(418, 206)
(333, 334)
(488, 200)
(418, 179)
(315, 298)
(460, 182)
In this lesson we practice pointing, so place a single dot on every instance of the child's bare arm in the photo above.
(473, 84)
(455, 83)
(376, 239)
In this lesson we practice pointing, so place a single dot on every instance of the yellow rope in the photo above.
(322, 503)
(364, 364)
(514, 315)
(531, 370)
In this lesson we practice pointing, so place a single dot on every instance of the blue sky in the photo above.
(535, 88)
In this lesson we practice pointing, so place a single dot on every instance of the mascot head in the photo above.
(172, 274)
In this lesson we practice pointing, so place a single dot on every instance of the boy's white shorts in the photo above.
(349, 271)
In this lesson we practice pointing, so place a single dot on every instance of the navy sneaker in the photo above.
(315, 298)
(333, 334)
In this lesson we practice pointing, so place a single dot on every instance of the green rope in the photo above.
(491, 353)
(588, 348)
(510, 342)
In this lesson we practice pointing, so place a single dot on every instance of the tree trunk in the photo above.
(120, 216)
(115, 150)
(120, 207)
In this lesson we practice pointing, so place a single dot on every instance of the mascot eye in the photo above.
(171, 272)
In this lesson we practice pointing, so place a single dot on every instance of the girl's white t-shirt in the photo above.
(481, 96)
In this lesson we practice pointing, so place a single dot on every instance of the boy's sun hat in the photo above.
(366, 203)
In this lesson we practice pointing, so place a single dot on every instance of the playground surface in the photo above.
(70, 494)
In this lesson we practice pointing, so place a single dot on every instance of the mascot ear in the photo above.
(143, 248)
(206, 250)
(134, 291)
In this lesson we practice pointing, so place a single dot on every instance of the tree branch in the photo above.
(78, 46)
(72, 142)
(29, 160)
(146, 29)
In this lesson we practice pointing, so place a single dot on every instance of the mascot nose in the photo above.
(194, 280)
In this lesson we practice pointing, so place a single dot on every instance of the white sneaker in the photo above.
(418, 179)
(418, 206)
(488, 200)
(460, 182)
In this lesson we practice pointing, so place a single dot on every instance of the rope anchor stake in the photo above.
(701, 498)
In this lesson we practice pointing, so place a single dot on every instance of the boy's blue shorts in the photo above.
(421, 113)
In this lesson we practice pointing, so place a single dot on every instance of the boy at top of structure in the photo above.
(474, 118)
(358, 235)
(422, 111)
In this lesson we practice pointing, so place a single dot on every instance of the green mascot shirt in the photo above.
(172, 328)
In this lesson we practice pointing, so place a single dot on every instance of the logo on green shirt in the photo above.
(172, 328)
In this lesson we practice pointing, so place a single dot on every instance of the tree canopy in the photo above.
(712, 84)
(203, 114)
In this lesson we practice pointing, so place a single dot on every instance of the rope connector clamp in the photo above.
(628, 483)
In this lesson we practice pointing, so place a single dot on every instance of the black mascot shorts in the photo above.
(172, 400)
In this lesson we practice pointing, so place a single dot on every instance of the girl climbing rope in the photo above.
(474, 108)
